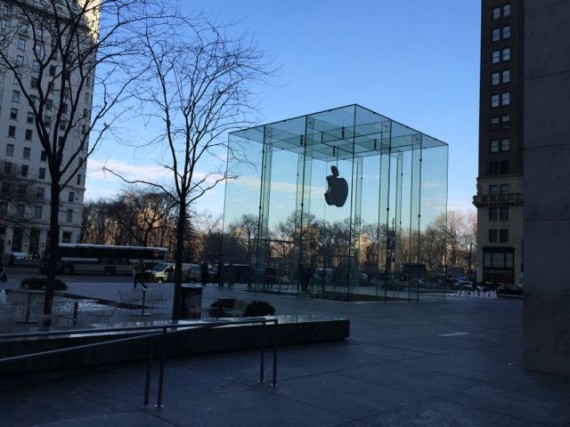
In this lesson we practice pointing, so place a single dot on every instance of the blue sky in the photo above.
(414, 61)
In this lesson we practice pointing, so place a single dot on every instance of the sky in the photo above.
(414, 61)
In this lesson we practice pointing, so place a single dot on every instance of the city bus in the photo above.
(82, 258)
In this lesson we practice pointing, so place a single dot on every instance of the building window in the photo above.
(24, 170)
(20, 210)
(504, 167)
(503, 236)
(504, 213)
(507, 10)
(506, 30)
(496, 56)
(496, 34)
(78, 179)
(494, 146)
(493, 214)
(26, 153)
(9, 150)
(506, 98)
(40, 191)
(69, 215)
(493, 189)
(52, 70)
(7, 168)
(494, 168)
(30, 117)
(494, 123)
(34, 83)
(21, 43)
(495, 78)
(506, 75)
(504, 188)
(42, 173)
(496, 13)
(14, 113)
(506, 53)
(15, 96)
(43, 156)
(12, 131)
(47, 121)
(66, 237)
(35, 66)
(494, 101)
(506, 121)
(505, 144)
(29, 134)
(19, 60)
(71, 196)
(38, 210)
(492, 236)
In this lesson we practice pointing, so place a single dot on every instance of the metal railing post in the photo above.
(262, 360)
(161, 372)
(275, 343)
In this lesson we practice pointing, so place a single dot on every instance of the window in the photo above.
(66, 237)
(506, 98)
(78, 179)
(9, 150)
(492, 236)
(504, 188)
(40, 191)
(496, 56)
(494, 168)
(26, 153)
(3, 24)
(14, 113)
(507, 10)
(504, 167)
(19, 60)
(496, 13)
(505, 144)
(495, 78)
(29, 134)
(69, 215)
(12, 131)
(49, 104)
(21, 43)
(47, 121)
(15, 96)
(24, 170)
(496, 34)
(506, 53)
(34, 83)
(493, 214)
(506, 30)
(7, 168)
(494, 101)
(35, 66)
(494, 146)
(20, 210)
(503, 236)
(506, 121)
(38, 210)
(71, 196)
(42, 173)
(30, 117)
(506, 75)
(43, 156)
(52, 70)
(504, 213)
(494, 123)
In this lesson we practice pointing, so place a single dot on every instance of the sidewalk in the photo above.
(457, 363)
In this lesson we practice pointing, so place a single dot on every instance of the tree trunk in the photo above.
(180, 232)
(53, 247)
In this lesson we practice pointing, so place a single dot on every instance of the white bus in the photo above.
(85, 258)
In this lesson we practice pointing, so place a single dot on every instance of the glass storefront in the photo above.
(363, 239)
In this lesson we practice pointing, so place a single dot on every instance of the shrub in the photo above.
(259, 308)
(39, 283)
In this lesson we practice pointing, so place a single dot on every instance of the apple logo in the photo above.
(337, 190)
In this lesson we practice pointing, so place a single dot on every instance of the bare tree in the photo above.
(69, 40)
(197, 88)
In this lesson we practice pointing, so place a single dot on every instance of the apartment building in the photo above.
(499, 198)
(35, 81)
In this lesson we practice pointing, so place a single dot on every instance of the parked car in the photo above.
(509, 290)
(461, 283)
(191, 273)
(160, 273)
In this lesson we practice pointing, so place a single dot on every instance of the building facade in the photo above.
(499, 198)
(35, 80)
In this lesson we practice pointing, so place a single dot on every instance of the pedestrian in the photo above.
(138, 272)
(204, 273)
(3, 275)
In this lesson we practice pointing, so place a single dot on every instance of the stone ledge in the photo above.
(203, 339)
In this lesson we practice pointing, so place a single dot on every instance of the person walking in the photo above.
(204, 270)
(138, 272)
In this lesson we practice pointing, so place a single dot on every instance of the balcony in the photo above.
(508, 199)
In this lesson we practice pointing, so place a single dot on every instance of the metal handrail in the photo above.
(162, 331)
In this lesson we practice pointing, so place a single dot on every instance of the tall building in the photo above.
(499, 198)
(41, 76)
